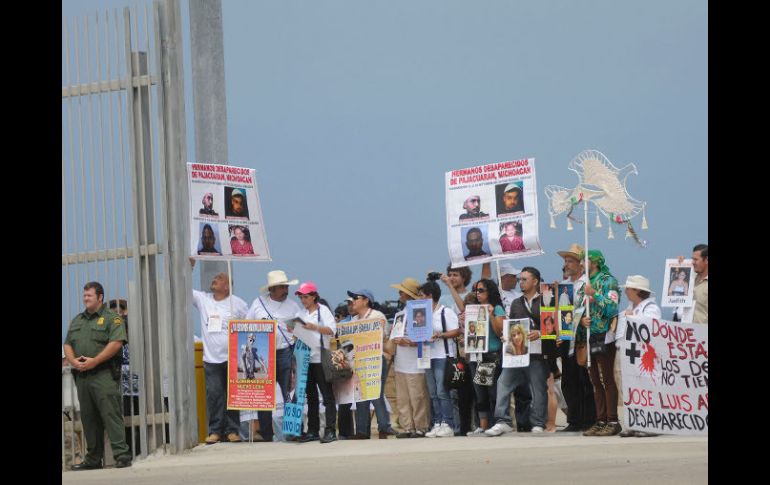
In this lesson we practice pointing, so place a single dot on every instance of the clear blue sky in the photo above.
(352, 111)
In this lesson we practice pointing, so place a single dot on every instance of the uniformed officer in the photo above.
(92, 348)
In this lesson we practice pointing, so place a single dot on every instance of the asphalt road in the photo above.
(520, 458)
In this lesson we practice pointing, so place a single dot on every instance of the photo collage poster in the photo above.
(476, 329)
(678, 284)
(566, 302)
(491, 212)
(225, 214)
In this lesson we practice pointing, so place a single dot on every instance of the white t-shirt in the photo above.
(448, 300)
(312, 338)
(275, 310)
(645, 308)
(437, 348)
(508, 296)
(214, 318)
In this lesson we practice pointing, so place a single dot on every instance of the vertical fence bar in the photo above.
(140, 308)
(151, 185)
(94, 241)
(102, 160)
(83, 212)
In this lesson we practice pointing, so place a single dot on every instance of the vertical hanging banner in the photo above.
(251, 365)
(361, 343)
(292, 412)
(665, 370)
(225, 213)
(678, 284)
(491, 212)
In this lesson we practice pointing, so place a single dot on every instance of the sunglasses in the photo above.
(480, 290)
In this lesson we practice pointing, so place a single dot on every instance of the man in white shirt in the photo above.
(276, 305)
(508, 282)
(575, 383)
(216, 309)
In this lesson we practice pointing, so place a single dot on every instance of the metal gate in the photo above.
(122, 162)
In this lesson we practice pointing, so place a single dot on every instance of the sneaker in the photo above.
(445, 431)
(212, 438)
(234, 438)
(598, 426)
(498, 429)
(537, 429)
(611, 429)
(418, 434)
(123, 462)
(405, 434)
(433, 431)
(475, 433)
(627, 433)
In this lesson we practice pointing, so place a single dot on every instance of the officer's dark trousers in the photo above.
(100, 400)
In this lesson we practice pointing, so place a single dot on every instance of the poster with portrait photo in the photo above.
(566, 324)
(398, 329)
(419, 320)
(549, 327)
(566, 296)
(485, 196)
(678, 283)
(548, 295)
(516, 342)
(251, 365)
(226, 196)
(476, 329)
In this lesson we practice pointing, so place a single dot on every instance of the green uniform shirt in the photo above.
(90, 333)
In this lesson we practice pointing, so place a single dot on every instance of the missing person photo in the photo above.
(511, 237)
(236, 204)
(240, 240)
(208, 245)
(418, 317)
(475, 242)
(472, 207)
(510, 198)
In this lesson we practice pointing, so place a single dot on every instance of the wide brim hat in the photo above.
(276, 278)
(575, 250)
(410, 286)
(638, 282)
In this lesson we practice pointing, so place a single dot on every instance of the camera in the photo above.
(434, 276)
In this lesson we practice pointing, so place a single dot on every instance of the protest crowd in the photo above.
(462, 391)
(488, 400)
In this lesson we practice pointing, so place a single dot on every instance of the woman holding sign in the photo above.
(488, 295)
(316, 330)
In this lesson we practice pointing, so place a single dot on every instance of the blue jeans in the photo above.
(221, 421)
(439, 394)
(536, 378)
(283, 358)
(364, 417)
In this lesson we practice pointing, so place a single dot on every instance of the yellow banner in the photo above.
(361, 345)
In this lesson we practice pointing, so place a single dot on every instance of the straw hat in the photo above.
(276, 278)
(575, 250)
(410, 286)
(637, 282)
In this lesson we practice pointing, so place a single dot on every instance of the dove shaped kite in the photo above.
(603, 184)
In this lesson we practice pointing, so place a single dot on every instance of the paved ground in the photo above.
(521, 458)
